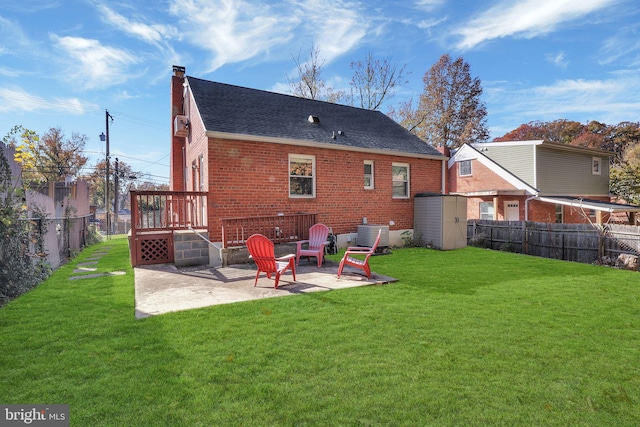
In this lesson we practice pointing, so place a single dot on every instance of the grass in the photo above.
(467, 337)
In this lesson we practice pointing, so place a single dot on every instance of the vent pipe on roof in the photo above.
(314, 119)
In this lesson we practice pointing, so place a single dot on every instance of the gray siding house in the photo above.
(535, 181)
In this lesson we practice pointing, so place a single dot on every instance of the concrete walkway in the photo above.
(164, 288)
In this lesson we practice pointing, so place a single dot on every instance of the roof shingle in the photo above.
(244, 111)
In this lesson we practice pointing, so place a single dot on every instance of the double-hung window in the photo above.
(464, 168)
(596, 166)
(302, 175)
(486, 210)
(368, 175)
(400, 180)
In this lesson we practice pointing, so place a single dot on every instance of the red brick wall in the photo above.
(538, 211)
(481, 178)
(252, 179)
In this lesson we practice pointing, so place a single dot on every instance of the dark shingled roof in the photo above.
(239, 110)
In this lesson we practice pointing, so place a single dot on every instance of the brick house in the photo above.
(534, 181)
(258, 153)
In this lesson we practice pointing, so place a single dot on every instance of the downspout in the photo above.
(444, 177)
(526, 207)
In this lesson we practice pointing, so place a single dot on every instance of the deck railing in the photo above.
(279, 228)
(168, 210)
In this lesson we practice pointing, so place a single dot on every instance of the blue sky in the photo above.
(62, 62)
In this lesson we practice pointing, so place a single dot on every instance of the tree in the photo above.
(374, 80)
(450, 111)
(625, 176)
(309, 82)
(621, 138)
(96, 181)
(58, 157)
(21, 267)
(560, 131)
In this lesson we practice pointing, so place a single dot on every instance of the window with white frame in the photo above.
(559, 214)
(400, 180)
(302, 176)
(486, 210)
(596, 166)
(368, 174)
(464, 167)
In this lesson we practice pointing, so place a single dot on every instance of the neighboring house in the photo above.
(259, 153)
(534, 181)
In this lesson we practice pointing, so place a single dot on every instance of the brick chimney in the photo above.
(444, 149)
(176, 172)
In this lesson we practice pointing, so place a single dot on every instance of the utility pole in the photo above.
(115, 198)
(107, 202)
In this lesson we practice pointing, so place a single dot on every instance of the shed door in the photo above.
(512, 210)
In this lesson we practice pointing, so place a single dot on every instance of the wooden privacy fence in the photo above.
(585, 243)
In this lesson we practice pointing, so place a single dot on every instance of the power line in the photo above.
(133, 158)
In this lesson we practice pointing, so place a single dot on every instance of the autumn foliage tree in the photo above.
(96, 181)
(450, 111)
(52, 157)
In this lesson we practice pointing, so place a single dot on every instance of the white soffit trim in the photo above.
(305, 143)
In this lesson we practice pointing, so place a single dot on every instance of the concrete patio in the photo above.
(164, 288)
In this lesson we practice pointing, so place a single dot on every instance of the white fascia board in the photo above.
(306, 143)
(479, 145)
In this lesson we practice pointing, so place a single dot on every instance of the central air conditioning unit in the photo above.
(367, 235)
(181, 126)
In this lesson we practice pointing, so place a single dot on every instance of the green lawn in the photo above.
(470, 337)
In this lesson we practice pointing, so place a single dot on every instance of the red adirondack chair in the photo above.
(362, 264)
(318, 234)
(263, 253)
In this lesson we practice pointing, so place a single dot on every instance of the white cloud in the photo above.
(624, 45)
(336, 27)
(18, 100)
(558, 59)
(525, 18)
(237, 30)
(150, 33)
(607, 100)
(232, 30)
(429, 5)
(12, 38)
(95, 65)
